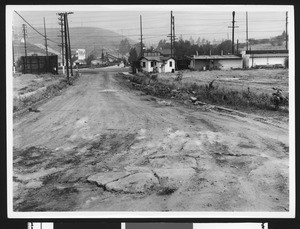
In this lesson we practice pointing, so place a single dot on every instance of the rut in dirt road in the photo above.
(100, 146)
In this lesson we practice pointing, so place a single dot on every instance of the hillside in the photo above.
(89, 38)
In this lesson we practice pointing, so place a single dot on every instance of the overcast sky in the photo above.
(209, 23)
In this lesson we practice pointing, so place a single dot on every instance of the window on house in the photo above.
(144, 64)
(170, 63)
(152, 63)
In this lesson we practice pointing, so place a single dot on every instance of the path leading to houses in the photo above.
(101, 147)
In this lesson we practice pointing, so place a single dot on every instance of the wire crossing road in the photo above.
(101, 146)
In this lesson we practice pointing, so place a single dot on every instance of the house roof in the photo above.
(156, 58)
(216, 57)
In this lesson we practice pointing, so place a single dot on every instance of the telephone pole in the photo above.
(66, 47)
(45, 38)
(24, 37)
(13, 50)
(172, 34)
(233, 21)
(61, 23)
(286, 31)
(69, 44)
(247, 31)
(141, 28)
(173, 25)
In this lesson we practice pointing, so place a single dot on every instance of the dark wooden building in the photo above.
(40, 64)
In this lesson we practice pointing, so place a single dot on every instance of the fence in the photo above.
(40, 64)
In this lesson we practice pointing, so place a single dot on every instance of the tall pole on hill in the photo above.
(141, 28)
(286, 31)
(247, 31)
(69, 44)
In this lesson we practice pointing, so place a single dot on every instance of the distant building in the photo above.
(210, 62)
(265, 58)
(155, 62)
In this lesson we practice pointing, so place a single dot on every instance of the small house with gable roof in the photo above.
(155, 62)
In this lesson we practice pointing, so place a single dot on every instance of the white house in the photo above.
(254, 58)
(209, 62)
(151, 62)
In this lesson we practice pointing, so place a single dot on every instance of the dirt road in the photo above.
(100, 146)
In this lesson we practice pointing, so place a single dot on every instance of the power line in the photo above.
(36, 29)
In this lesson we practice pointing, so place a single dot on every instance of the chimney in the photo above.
(221, 52)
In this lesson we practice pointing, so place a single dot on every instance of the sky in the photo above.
(198, 21)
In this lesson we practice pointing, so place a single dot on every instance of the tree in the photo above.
(198, 42)
(162, 44)
(132, 56)
(124, 46)
(192, 40)
(225, 46)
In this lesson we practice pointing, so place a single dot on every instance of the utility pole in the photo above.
(233, 21)
(173, 25)
(247, 31)
(171, 34)
(45, 38)
(61, 23)
(24, 37)
(13, 50)
(66, 47)
(69, 44)
(141, 28)
(286, 31)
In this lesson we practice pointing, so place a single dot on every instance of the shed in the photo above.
(40, 64)
(255, 58)
(209, 62)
